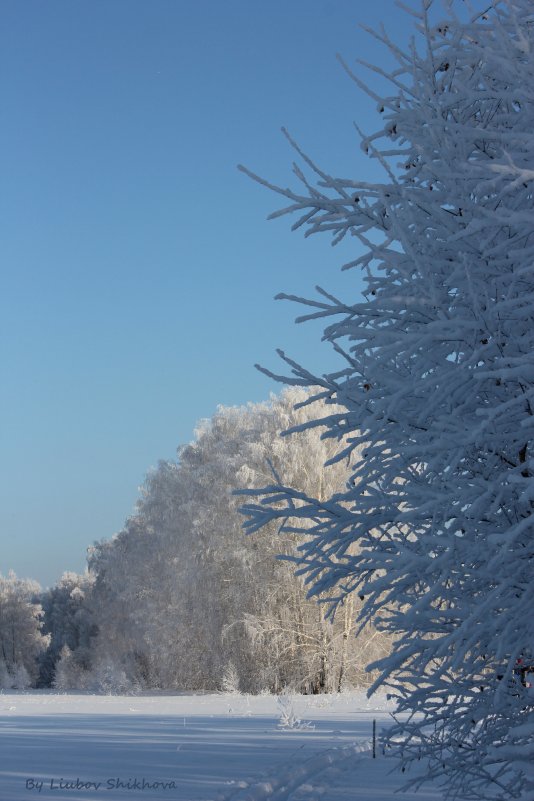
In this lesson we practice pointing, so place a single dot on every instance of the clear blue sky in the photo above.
(138, 270)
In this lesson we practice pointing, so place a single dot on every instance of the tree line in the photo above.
(181, 598)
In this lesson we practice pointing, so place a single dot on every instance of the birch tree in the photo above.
(184, 600)
(21, 639)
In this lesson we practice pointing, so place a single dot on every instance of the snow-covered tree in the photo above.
(181, 595)
(70, 672)
(21, 639)
(437, 388)
(68, 622)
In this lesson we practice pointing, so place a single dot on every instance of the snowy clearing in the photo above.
(202, 747)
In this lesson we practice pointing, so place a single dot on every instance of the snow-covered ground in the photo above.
(194, 748)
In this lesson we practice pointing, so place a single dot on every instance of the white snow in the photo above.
(198, 748)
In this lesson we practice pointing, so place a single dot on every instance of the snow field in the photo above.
(193, 748)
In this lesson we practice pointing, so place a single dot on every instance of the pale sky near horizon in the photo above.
(138, 269)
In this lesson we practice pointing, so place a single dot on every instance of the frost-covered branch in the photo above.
(436, 529)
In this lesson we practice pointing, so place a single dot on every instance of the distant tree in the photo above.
(437, 391)
(70, 672)
(68, 622)
(21, 638)
(184, 600)
(126, 584)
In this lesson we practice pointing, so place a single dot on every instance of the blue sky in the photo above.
(138, 270)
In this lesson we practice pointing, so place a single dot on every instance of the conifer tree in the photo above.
(437, 388)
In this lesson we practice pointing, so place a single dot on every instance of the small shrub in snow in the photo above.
(288, 716)
(230, 680)
(111, 679)
(21, 678)
(69, 673)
